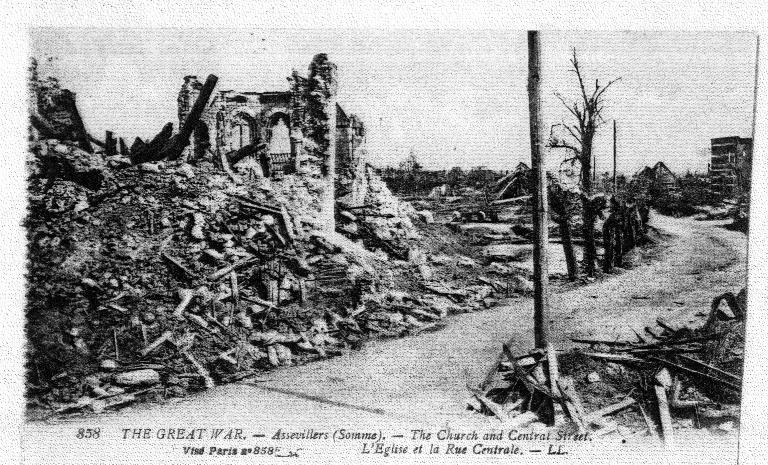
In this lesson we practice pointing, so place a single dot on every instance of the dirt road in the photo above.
(423, 378)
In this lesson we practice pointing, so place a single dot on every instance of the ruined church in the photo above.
(276, 120)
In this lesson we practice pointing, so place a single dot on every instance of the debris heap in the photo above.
(153, 272)
(154, 279)
(691, 377)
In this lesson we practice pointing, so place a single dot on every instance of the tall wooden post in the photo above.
(754, 100)
(540, 230)
(614, 157)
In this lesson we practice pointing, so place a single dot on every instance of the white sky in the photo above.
(454, 97)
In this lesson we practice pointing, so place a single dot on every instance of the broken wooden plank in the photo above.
(445, 291)
(672, 342)
(186, 296)
(651, 427)
(216, 275)
(664, 415)
(256, 205)
(697, 373)
(197, 320)
(166, 336)
(235, 289)
(529, 381)
(661, 322)
(709, 367)
(554, 374)
(417, 312)
(553, 370)
(287, 224)
(493, 407)
(177, 264)
(598, 414)
(227, 356)
(572, 402)
(207, 380)
(615, 357)
(234, 156)
(601, 341)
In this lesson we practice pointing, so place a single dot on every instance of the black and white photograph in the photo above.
(301, 245)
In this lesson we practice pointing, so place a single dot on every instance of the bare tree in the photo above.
(561, 202)
(578, 141)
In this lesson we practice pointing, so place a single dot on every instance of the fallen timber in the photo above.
(680, 383)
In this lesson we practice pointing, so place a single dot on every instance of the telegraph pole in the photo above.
(540, 230)
(614, 157)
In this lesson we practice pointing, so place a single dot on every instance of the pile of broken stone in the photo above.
(152, 280)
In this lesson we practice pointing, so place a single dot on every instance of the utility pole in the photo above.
(614, 157)
(540, 230)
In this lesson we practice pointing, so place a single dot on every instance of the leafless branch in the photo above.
(597, 96)
(574, 110)
(573, 133)
(577, 70)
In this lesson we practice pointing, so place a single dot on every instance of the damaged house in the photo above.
(660, 177)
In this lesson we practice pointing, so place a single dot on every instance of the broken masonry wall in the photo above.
(316, 137)
(351, 180)
(53, 111)
(322, 86)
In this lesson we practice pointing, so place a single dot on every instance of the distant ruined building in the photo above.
(660, 176)
(730, 164)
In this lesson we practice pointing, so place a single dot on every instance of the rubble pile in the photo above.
(163, 277)
(669, 378)
(159, 269)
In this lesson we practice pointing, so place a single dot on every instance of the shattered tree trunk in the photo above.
(540, 230)
(608, 245)
(570, 256)
(590, 251)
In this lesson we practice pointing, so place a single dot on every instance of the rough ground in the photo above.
(423, 378)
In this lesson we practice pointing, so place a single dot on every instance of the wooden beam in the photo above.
(540, 230)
